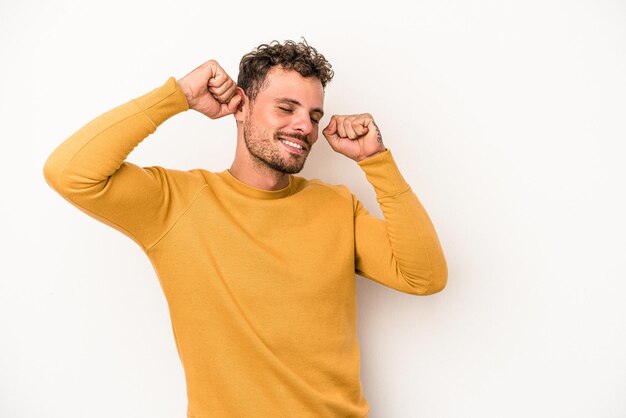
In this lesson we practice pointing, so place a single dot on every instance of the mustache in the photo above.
(303, 138)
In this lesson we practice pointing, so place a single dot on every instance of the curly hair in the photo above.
(299, 57)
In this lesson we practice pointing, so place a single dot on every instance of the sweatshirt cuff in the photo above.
(163, 102)
(382, 173)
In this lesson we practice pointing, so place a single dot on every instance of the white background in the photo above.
(506, 117)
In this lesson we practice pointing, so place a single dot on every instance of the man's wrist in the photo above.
(369, 156)
(183, 87)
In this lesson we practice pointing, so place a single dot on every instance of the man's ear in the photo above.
(243, 107)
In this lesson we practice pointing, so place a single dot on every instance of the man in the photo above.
(258, 265)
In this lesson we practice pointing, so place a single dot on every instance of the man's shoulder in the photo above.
(194, 174)
(179, 179)
(316, 185)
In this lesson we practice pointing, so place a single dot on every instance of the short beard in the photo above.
(264, 152)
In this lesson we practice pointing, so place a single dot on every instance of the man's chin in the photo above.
(292, 169)
(296, 166)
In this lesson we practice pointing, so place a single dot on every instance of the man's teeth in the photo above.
(292, 144)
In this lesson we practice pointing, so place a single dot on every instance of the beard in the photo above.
(266, 150)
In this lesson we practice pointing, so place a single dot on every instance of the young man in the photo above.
(258, 265)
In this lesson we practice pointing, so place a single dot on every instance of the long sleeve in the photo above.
(89, 169)
(403, 251)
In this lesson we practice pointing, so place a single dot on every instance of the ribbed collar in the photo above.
(255, 192)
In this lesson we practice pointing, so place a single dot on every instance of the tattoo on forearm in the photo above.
(380, 136)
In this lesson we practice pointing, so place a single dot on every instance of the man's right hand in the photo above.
(210, 91)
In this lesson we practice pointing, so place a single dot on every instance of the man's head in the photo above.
(283, 103)
(299, 57)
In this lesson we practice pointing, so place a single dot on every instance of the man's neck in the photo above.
(259, 175)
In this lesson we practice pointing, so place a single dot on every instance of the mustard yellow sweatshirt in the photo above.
(260, 284)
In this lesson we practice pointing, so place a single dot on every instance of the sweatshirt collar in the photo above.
(255, 192)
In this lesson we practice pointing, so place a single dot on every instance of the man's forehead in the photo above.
(291, 84)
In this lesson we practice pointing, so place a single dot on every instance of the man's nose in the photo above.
(303, 124)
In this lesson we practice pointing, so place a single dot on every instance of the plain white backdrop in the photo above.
(506, 117)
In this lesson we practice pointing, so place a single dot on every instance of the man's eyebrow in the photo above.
(297, 103)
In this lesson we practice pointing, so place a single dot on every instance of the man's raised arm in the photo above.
(402, 251)
(89, 169)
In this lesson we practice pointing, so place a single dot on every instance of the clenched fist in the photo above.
(210, 91)
(355, 136)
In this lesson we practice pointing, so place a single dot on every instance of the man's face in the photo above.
(282, 124)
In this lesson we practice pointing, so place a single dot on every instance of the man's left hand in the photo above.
(355, 136)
